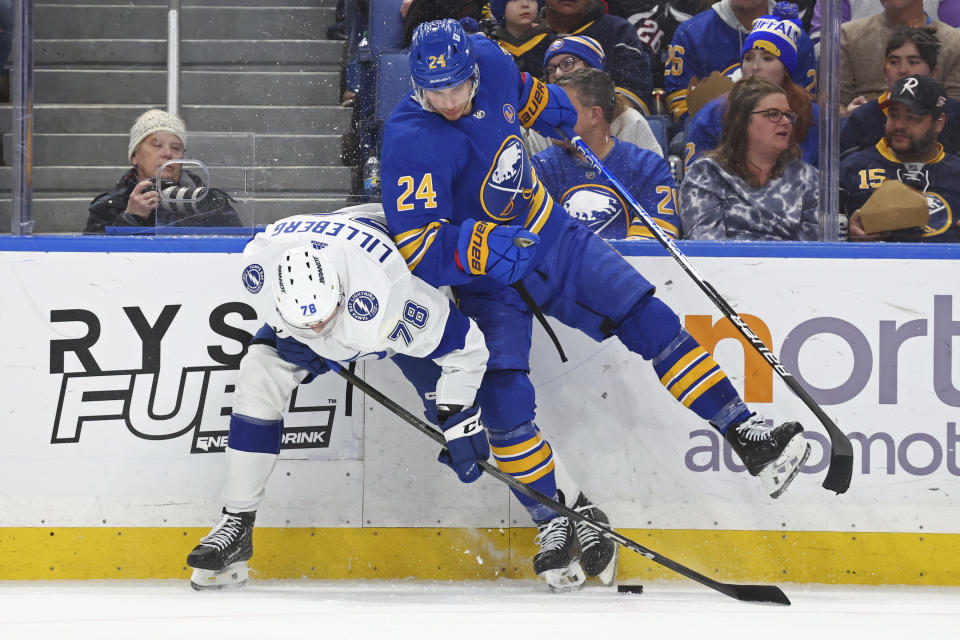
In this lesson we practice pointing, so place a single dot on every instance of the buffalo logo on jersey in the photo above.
(593, 205)
(941, 215)
(363, 306)
(510, 175)
(253, 278)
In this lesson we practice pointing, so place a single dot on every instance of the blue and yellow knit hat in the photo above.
(777, 34)
(587, 49)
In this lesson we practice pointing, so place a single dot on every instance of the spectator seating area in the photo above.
(252, 70)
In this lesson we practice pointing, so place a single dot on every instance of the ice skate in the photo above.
(557, 560)
(598, 554)
(776, 454)
(220, 560)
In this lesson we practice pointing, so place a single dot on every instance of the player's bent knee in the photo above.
(507, 399)
(254, 435)
(649, 327)
(264, 384)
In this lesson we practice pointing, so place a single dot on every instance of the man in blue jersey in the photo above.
(911, 153)
(588, 197)
(713, 41)
(467, 210)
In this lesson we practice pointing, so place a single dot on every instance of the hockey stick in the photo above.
(748, 593)
(841, 451)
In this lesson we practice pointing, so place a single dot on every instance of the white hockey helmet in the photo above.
(306, 291)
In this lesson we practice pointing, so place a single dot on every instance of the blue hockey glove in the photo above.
(546, 108)
(301, 355)
(502, 252)
(466, 440)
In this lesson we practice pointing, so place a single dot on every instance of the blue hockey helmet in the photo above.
(441, 56)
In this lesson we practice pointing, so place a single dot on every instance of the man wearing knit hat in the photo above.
(571, 53)
(155, 138)
(714, 41)
(520, 31)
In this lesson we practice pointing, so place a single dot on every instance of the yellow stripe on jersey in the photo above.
(413, 244)
(540, 209)
(677, 103)
(640, 230)
(527, 463)
(682, 364)
(637, 101)
(704, 386)
(519, 50)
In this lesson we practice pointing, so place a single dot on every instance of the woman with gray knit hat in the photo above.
(155, 138)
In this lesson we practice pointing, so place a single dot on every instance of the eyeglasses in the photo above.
(775, 115)
(564, 65)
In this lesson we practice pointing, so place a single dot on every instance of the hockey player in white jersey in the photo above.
(332, 287)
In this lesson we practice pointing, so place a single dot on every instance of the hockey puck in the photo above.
(629, 588)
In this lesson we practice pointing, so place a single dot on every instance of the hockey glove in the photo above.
(546, 108)
(466, 440)
(502, 252)
(301, 355)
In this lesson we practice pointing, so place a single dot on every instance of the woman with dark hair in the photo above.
(770, 51)
(754, 185)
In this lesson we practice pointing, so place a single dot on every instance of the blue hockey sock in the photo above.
(524, 454)
(695, 379)
(254, 435)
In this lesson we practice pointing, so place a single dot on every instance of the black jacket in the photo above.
(110, 209)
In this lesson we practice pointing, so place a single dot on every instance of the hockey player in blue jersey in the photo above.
(712, 41)
(590, 198)
(466, 209)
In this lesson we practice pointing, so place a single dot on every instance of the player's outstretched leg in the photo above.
(598, 555)
(220, 560)
(557, 559)
(776, 454)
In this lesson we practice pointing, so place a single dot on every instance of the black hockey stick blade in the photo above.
(747, 593)
(840, 472)
(760, 593)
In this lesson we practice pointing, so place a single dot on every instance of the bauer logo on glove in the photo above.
(502, 252)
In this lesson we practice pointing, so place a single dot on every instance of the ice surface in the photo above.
(507, 609)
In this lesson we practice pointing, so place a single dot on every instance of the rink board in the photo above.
(120, 360)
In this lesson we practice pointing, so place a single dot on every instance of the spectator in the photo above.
(862, 43)
(713, 41)
(754, 185)
(909, 51)
(911, 153)
(655, 22)
(571, 53)
(855, 9)
(627, 59)
(590, 198)
(155, 138)
(770, 52)
(520, 31)
(418, 11)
